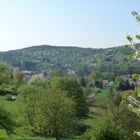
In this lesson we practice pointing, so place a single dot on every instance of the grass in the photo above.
(4, 136)
(14, 107)
(97, 113)
(95, 118)
(99, 102)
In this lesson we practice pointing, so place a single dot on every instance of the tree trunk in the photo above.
(57, 137)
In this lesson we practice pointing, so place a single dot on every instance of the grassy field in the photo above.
(14, 107)
(97, 113)
(4, 136)
(95, 118)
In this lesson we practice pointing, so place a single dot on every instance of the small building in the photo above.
(138, 82)
(27, 75)
(26, 72)
(38, 77)
(105, 83)
(125, 77)
(71, 72)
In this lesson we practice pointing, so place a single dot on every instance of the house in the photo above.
(138, 83)
(105, 83)
(68, 65)
(27, 75)
(125, 77)
(71, 72)
(38, 77)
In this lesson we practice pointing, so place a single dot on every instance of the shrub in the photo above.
(108, 132)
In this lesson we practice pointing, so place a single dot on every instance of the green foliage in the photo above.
(74, 91)
(82, 81)
(55, 73)
(138, 37)
(135, 76)
(83, 61)
(5, 74)
(55, 114)
(123, 84)
(129, 38)
(128, 120)
(29, 95)
(28, 91)
(134, 103)
(17, 77)
(136, 15)
(95, 75)
(108, 76)
(49, 112)
(6, 122)
(108, 132)
(99, 84)
(118, 113)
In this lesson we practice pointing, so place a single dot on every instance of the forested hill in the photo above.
(71, 59)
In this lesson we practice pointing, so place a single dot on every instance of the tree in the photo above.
(123, 84)
(48, 111)
(108, 132)
(118, 82)
(95, 76)
(5, 74)
(82, 82)
(135, 77)
(6, 122)
(113, 101)
(134, 105)
(125, 120)
(17, 77)
(128, 121)
(99, 84)
(29, 95)
(55, 73)
(73, 91)
(108, 76)
(82, 69)
(55, 113)
(27, 92)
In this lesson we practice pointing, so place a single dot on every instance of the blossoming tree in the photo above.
(134, 102)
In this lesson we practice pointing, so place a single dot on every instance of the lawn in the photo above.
(97, 113)
(14, 107)
(4, 136)
(96, 116)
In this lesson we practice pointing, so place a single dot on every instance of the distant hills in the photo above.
(72, 60)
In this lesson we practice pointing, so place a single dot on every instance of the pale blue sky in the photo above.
(83, 23)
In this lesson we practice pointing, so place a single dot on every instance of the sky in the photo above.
(83, 23)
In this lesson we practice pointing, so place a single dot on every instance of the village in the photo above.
(30, 76)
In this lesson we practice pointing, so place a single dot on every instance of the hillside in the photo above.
(71, 59)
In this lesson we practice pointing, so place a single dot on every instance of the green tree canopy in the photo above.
(74, 91)
(54, 114)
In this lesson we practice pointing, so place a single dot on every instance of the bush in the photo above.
(81, 128)
(89, 134)
(108, 132)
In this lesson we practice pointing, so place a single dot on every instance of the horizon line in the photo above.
(61, 46)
